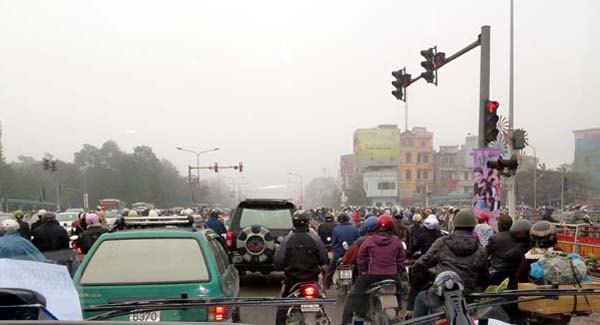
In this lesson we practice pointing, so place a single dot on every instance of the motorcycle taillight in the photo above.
(229, 239)
(309, 292)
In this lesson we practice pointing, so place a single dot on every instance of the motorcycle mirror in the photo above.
(74, 237)
(404, 245)
(345, 245)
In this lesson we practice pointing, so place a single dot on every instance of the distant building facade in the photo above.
(416, 166)
(347, 169)
(587, 153)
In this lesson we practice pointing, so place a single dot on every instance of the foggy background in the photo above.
(281, 85)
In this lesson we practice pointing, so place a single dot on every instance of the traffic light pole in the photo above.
(484, 81)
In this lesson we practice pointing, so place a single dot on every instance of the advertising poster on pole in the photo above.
(486, 187)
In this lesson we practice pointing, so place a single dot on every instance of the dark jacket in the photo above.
(36, 224)
(215, 224)
(505, 255)
(402, 231)
(326, 230)
(415, 233)
(424, 239)
(459, 252)
(381, 254)
(89, 237)
(24, 230)
(50, 236)
(343, 232)
(300, 255)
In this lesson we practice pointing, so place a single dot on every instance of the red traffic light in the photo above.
(491, 105)
(216, 167)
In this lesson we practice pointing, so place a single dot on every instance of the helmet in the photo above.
(18, 214)
(92, 219)
(48, 216)
(329, 217)
(543, 234)
(215, 212)
(153, 213)
(9, 226)
(187, 212)
(417, 217)
(125, 212)
(343, 217)
(132, 213)
(431, 222)
(483, 217)
(504, 222)
(41, 213)
(520, 229)
(300, 219)
(371, 224)
(465, 219)
(385, 222)
(447, 280)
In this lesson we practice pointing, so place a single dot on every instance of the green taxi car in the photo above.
(160, 263)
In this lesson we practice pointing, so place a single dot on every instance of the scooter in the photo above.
(343, 280)
(382, 304)
(309, 313)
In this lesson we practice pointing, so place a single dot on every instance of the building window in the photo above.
(418, 174)
(425, 158)
(408, 157)
(452, 161)
(386, 186)
(467, 176)
(418, 157)
(408, 175)
(425, 174)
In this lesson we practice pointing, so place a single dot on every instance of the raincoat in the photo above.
(14, 246)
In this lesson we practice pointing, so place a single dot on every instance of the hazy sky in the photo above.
(281, 85)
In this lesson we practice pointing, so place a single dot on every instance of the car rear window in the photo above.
(270, 218)
(147, 260)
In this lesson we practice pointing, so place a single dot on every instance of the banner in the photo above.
(486, 187)
(377, 143)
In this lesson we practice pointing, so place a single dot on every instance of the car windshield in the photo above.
(147, 260)
(272, 219)
(66, 216)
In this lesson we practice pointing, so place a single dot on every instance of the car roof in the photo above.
(157, 233)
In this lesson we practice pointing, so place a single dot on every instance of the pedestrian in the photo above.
(415, 231)
(38, 222)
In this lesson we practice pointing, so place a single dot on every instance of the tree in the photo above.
(323, 192)
(355, 192)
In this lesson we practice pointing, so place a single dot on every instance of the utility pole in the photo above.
(562, 188)
(512, 209)
(484, 81)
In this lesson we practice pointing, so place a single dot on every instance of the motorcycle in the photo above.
(343, 280)
(382, 307)
(307, 314)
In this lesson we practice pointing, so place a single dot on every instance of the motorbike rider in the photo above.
(50, 236)
(459, 252)
(547, 215)
(24, 229)
(215, 223)
(92, 233)
(343, 232)
(424, 239)
(352, 252)
(38, 222)
(14, 246)
(415, 231)
(326, 229)
(483, 230)
(380, 257)
(507, 248)
(400, 228)
(543, 239)
(301, 255)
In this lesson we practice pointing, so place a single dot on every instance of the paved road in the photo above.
(257, 285)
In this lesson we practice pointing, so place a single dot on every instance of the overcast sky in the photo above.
(281, 85)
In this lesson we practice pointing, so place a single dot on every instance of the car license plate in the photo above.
(345, 274)
(147, 316)
(310, 308)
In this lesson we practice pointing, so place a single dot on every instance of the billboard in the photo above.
(377, 143)
(486, 184)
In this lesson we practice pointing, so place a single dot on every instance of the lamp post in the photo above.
(534, 177)
(197, 153)
(301, 186)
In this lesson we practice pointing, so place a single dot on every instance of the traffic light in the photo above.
(439, 59)
(519, 139)
(507, 167)
(402, 81)
(53, 166)
(46, 163)
(491, 121)
(216, 167)
(240, 166)
(429, 64)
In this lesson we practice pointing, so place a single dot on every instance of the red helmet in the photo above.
(385, 222)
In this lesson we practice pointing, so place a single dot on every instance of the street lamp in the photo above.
(301, 190)
(197, 153)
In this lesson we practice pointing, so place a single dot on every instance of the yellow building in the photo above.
(416, 166)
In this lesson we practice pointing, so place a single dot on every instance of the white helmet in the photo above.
(187, 212)
(9, 226)
(431, 222)
(153, 213)
(41, 213)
